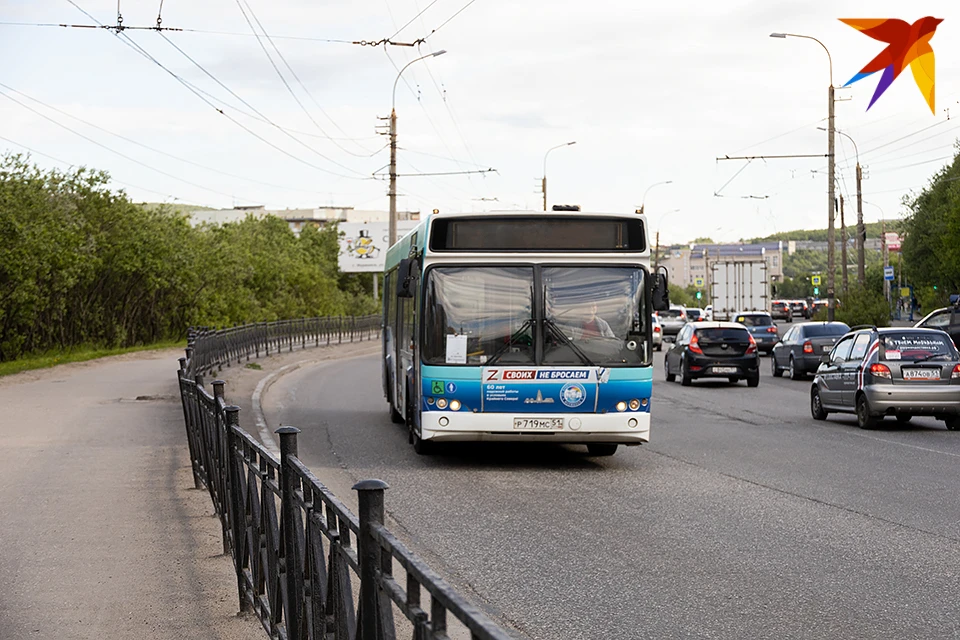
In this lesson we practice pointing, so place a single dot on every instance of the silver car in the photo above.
(657, 333)
(894, 371)
(672, 320)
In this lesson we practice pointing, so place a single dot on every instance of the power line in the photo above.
(103, 146)
(411, 20)
(199, 93)
(259, 113)
(300, 82)
(155, 150)
(73, 164)
(462, 9)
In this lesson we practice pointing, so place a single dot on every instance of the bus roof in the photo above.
(416, 238)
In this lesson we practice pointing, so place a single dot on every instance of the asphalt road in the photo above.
(743, 518)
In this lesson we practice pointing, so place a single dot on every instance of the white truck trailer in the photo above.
(738, 285)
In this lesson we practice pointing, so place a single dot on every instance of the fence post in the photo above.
(238, 516)
(221, 471)
(290, 562)
(370, 495)
(188, 421)
(340, 330)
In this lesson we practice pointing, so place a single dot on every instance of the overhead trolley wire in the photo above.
(154, 149)
(131, 43)
(367, 153)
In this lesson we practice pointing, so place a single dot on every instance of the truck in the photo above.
(737, 285)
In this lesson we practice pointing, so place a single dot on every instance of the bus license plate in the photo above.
(538, 423)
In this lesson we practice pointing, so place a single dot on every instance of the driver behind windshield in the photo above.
(593, 326)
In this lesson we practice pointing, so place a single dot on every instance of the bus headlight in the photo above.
(634, 404)
(621, 406)
(454, 405)
(441, 403)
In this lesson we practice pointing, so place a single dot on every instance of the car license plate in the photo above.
(921, 374)
(538, 423)
(724, 369)
(827, 347)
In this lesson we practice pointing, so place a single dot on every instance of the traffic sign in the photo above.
(904, 292)
(815, 281)
(698, 282)
(888, 273)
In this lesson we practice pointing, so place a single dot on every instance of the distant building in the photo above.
(297, 218)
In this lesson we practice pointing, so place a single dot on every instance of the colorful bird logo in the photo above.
(907, 44)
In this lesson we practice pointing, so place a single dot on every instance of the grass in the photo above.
(77, 354)
(254, 365)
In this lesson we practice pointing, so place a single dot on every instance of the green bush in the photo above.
(862, 305)
(81, 265)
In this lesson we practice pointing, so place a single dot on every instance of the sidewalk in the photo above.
(103, 534)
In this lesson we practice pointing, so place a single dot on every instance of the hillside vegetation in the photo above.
(81, 265)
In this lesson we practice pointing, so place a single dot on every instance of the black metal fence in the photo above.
(214, 349)
(296, 547)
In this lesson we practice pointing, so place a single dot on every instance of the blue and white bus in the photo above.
(522, 326)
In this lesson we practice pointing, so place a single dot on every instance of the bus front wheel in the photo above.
(420, 446)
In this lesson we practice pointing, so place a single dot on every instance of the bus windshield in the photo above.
(484, 315)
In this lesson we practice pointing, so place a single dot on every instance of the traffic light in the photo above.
(699, 295)
(816, 291)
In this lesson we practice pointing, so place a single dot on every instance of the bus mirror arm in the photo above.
(660, 291)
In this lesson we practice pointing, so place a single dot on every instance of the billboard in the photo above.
(363, 245)
(893, 241)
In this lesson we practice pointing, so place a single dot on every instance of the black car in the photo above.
(946, 319)
(780, 310)
(799, 350)
(893, 371)
(761, 327)
(800, 308)
(713, 350)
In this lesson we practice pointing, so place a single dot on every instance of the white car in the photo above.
(708, 313)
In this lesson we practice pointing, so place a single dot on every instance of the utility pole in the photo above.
(543, 187)
(393, 176)
(843, 245)
(886, 259)
(656, 253)
(831, 205)
(861, 231)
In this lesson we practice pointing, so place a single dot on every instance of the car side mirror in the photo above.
(825, 358)
(661, 291)
(406, 277)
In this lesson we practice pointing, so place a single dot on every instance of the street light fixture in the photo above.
(644, 198)
(543, 184)
(393, 146)
(831, 168)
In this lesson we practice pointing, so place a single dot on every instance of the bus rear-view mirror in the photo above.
(661, 293)
(406, 276)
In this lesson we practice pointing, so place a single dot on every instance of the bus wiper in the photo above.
(552, 328)
(506, 346)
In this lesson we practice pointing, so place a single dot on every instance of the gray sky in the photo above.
(649, 92)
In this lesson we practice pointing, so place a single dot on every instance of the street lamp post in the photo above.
(543, 184)
(831, 168)
(861, 228)
(644, 198)
(393, 146)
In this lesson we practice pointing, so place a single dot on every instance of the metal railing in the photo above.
(296, 547)
(209, 349)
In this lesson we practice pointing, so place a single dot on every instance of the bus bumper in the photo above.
(450, 426)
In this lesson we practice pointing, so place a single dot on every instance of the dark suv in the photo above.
(894, 371)
(780, 310)
(713, 350)
(800, 308)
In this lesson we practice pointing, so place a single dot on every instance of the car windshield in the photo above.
(481, 315)
(825, 330)
(915, 346)
(755, 321)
